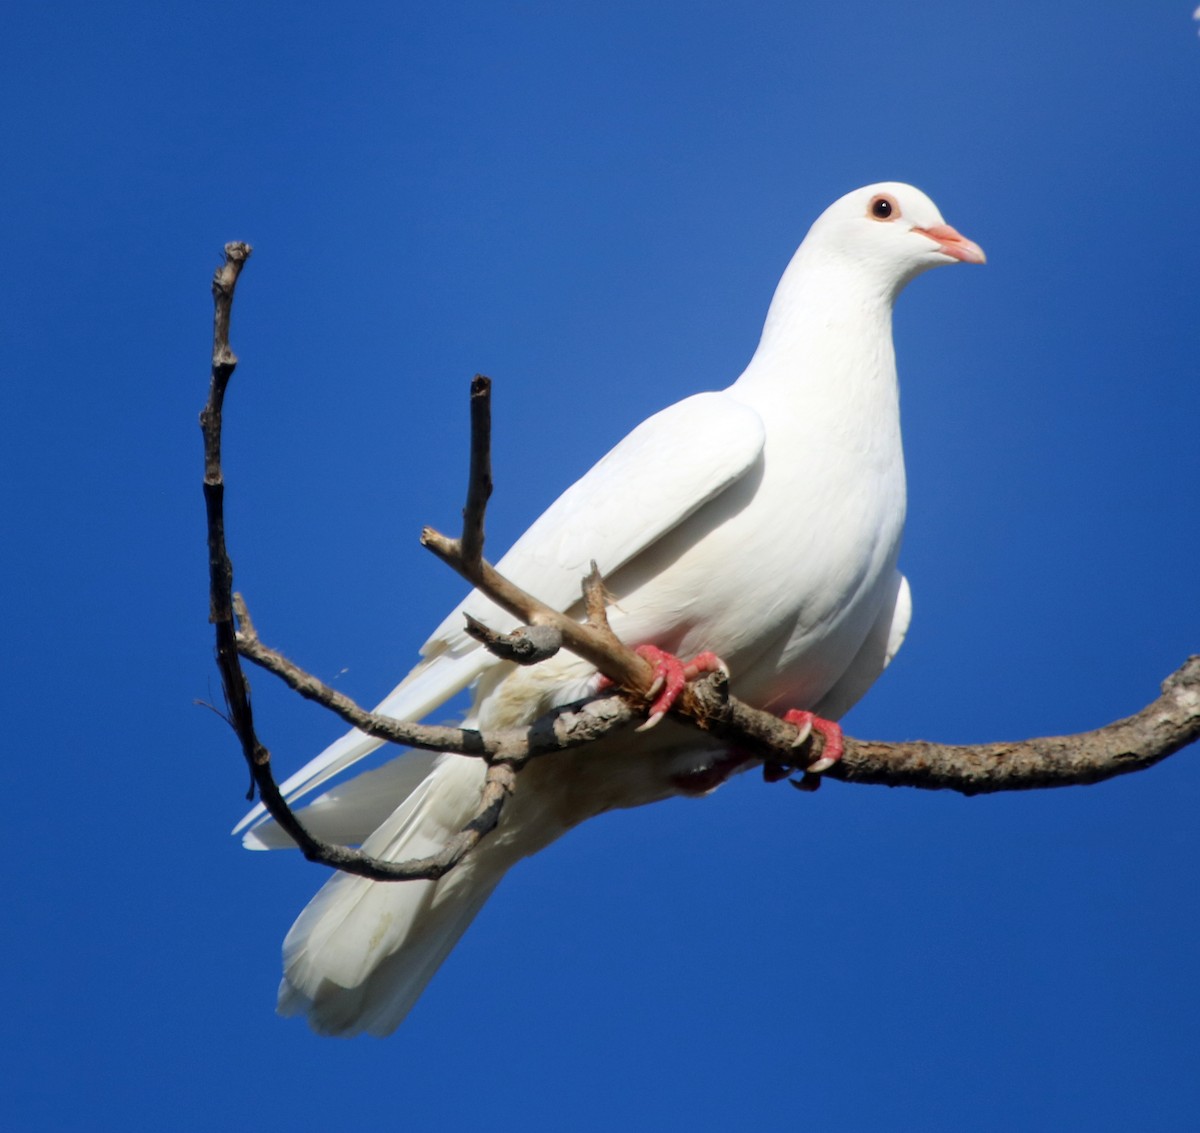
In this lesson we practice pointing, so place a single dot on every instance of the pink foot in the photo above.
(670, 675)
(831, 750)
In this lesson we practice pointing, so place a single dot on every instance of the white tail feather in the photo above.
(362, 952)
(351, 811)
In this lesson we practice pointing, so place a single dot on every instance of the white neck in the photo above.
(826, 353)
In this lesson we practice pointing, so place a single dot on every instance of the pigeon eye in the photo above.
(883, 207)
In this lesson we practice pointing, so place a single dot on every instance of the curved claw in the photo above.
(706, 662)
(668, 683)
(671, 674)
(830, 732)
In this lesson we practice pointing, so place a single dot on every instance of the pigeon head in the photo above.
(893, 230)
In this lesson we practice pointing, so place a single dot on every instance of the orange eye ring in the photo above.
(884, 207)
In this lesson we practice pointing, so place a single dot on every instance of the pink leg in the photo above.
(670, 675)
(831, 750)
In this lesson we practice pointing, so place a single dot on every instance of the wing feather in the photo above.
(669, 466)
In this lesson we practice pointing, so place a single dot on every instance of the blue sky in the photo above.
(592, 205)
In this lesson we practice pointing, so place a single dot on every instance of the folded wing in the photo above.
(669, 466)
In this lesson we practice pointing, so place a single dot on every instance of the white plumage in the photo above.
(762, 522)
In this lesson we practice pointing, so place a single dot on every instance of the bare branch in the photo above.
(499, 780)
(593, 640)
(566, 727)
(1165, 726)
(595, 599)
(1170, 723)
(602, 649)
(526, 645)
(595, 643)
(479, 483)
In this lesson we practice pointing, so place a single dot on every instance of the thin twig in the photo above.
(498, 784)
(596, 644)
(566, 727)
(621, 665)
(595, 599)
(526, 645)
(479, 482)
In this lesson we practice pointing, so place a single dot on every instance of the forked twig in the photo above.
(499, 779)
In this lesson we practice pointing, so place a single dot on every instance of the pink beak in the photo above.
(950, 242)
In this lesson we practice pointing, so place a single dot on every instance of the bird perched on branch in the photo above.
(760, 523)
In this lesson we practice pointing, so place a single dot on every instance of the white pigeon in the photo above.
(762, 523)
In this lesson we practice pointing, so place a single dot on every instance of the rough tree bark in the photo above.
(1163, 727)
